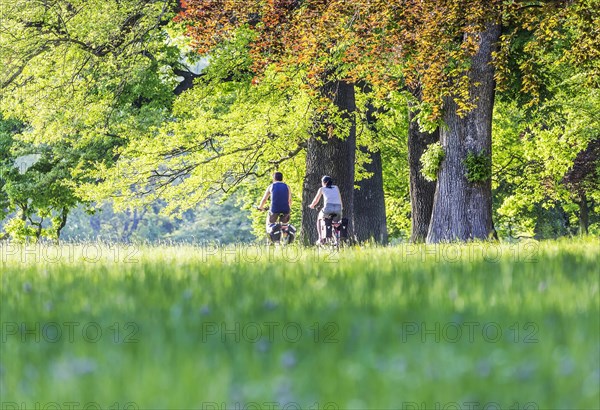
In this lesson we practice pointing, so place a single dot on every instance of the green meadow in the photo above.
(475, 326)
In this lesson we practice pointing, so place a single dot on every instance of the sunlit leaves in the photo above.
(431, 40)
(79, 70)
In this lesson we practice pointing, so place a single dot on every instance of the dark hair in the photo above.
(278, 176)
(327, 180)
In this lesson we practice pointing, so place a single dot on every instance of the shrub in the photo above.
(431, 161)
(479, 167)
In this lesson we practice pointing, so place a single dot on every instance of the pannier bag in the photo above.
(291, 233)
(343, 228)
(275, 232)
(328, 225)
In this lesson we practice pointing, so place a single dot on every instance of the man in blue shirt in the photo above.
(281, 200)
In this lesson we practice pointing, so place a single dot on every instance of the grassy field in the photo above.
(477, 326)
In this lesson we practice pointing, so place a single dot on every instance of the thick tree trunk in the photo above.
(462, 210)
(329, 155)
(422, 191)
(369, 201)
(583, 214)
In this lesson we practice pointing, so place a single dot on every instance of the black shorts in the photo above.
(282, 216)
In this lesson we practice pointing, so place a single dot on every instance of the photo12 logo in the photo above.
(256, 252)
(526, 251)
(70, 332)
(68, 405)
(269, 406)
(253, 332)
(468, 405)
(69, 253)
(470, 332)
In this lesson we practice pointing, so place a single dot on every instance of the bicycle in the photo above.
(282, 233)
(334, 233)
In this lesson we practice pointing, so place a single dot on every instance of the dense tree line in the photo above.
(440, 120)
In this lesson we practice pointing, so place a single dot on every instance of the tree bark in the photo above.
(329, 155)
(462, 210)
(369, 203)
(422, 191)
(63, 222)
(583, 214)
(369, 216)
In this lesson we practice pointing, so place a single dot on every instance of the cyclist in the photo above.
(281, 200)
(332, 203)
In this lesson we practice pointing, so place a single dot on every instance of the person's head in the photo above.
(277, 176)
(327, 181)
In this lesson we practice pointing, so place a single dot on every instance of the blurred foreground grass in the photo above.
(455, 326)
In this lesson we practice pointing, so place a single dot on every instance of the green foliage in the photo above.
(86, 70)
(220, 222)
(83, 79)
(479, 167)
(392, 137)
(87, 96)
(542, 44)
(7, 131)
(18, 229)
(533, 152)
(223, 223)
(544, 119)
(38, 180)
(424, 114)
(431, 160)
(224, 135)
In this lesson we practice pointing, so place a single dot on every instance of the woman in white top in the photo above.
(332, 202)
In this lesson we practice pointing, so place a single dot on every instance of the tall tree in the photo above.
(438, 46)
(347, 43)
(309, 38)
(331, 154)
(85, 78)
(369, 201)
(369, 216)
(422, 191)
(462, 208)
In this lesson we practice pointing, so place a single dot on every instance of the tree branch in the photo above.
(291, 154)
